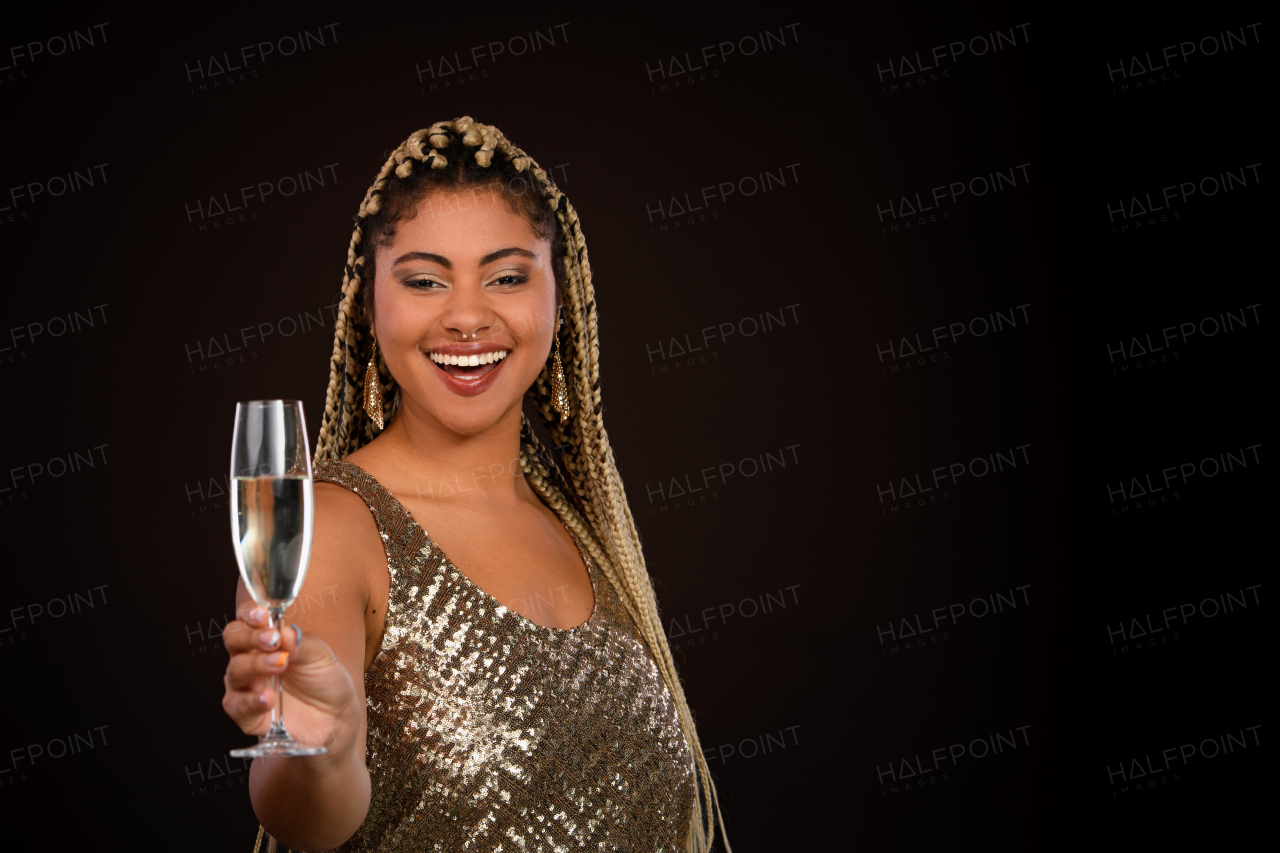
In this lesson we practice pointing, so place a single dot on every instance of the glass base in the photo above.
(283, 746)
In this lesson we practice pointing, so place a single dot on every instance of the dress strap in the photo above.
(355, 479)
(402, 538)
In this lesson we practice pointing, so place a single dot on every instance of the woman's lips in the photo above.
(469, 381)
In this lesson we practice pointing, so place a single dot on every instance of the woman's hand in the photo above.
(322, 706)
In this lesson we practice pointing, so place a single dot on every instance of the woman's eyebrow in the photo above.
(423, 256)
(447, 264)
(506, 253)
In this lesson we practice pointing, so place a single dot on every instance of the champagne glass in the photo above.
(272, 516)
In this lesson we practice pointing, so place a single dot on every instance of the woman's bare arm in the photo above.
(313, 803)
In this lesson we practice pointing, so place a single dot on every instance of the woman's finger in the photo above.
(284, 640)
(249, 709)
(245, 668)
(237, 637)
(255, 616)
(241, 633)
(253, 631)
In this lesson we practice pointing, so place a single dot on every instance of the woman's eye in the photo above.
(422, 283)
(510, 280)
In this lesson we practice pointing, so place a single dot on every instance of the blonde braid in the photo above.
(603, 521)
(343, 414)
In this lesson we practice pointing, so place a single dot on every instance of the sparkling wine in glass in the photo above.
(271, 522)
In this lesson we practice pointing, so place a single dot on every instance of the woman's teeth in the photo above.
(468, 366)
(469, 360)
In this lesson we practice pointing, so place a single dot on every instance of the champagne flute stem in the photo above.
(277, 682)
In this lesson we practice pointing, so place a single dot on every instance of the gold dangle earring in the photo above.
(559, 391)
(373, 389)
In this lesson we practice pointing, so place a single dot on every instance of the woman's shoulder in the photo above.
(344, 498)
(354, 504)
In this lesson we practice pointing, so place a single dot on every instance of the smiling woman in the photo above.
(504, 679)
(496, 280)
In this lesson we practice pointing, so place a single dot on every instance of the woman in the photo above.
(502, 682)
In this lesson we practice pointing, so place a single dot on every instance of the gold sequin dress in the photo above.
(488, 732)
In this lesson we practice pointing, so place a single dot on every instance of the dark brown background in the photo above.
(145, 530)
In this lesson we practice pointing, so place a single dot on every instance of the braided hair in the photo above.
(588, 494)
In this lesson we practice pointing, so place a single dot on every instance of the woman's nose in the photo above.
(467, 309)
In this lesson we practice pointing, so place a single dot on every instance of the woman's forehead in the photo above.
(466, 219)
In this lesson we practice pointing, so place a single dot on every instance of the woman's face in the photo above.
(465, 264)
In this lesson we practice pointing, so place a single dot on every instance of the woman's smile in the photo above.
(468, 368)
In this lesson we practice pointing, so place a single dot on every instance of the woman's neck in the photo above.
(422, 458)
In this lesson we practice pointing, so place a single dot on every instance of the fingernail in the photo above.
(299, 630)
(278, 659)
(262, 699)
(257, 616)
(270, 639)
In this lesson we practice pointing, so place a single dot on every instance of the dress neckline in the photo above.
(498, 606)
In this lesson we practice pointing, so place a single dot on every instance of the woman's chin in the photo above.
(477, 426)
(472, 417)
